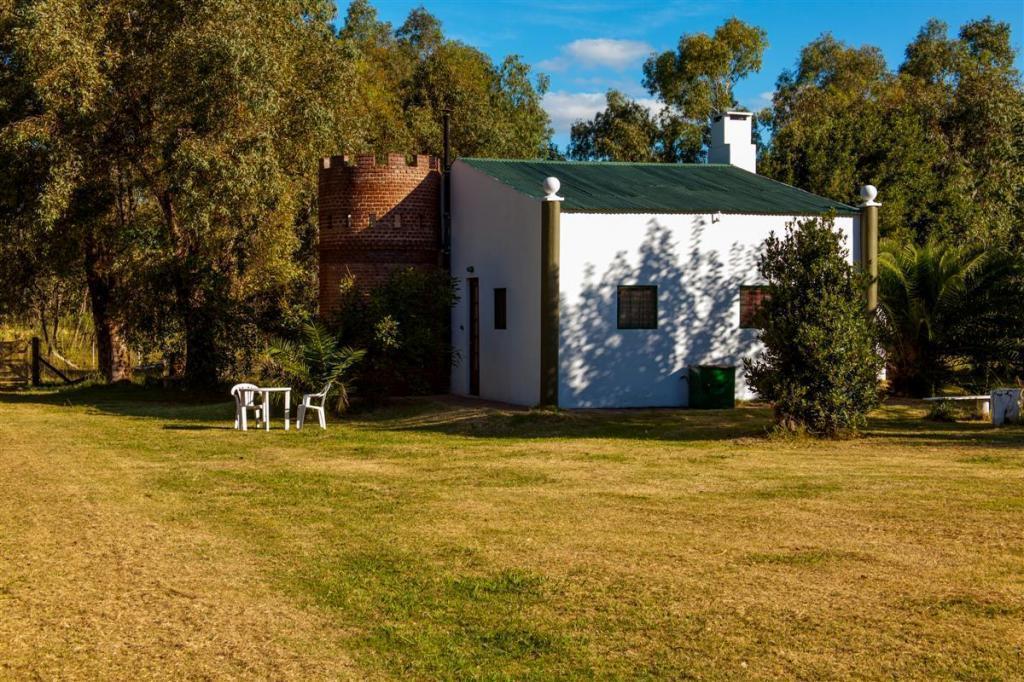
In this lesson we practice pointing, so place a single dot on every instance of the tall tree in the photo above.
(693, 82)
(698, 77)
(408, 77)
(71, 197)
(628, 131)
(943, 135)
(204, 114)
(825, 120)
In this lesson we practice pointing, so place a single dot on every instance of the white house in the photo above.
(605, 298)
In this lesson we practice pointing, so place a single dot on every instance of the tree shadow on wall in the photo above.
(604, 366)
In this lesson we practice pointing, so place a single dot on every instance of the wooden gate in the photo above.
(22, 363)
(15, 364)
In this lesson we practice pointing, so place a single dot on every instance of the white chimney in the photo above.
(732, 140)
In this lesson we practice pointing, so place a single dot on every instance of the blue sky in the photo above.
(588, 47)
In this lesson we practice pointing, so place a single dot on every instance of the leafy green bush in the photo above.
(404, 326)
(820, 365)
(942, 411)
(318, 358)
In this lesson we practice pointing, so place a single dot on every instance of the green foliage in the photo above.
(942, 411)
(178, 142)
(951, 315)
(627, 131)
(405, 79)
(404, 325)
(698, 77)
(693, 82)
(820, 365)
(942, 136)
(314, 361)
(163, 156)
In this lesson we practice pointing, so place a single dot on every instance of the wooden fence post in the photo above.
(35, 360)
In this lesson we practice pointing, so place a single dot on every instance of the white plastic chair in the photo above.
(307, 404)
(247, 397)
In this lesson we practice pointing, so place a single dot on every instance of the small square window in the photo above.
(752, 300)
(500, 309)
(638, 307)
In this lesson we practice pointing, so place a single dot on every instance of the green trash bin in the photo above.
(712, 387)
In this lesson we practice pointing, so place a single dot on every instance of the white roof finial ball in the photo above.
(551, 186)
(868, 193)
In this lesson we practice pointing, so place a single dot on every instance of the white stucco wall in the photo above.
(496, 231)
(698, 266)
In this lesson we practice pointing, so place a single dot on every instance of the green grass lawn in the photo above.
(140, 536)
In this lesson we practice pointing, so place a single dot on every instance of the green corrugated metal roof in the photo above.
(595, 187)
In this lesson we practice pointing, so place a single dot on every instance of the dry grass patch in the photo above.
(451, 540)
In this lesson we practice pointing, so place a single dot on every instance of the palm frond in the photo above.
(311, 363)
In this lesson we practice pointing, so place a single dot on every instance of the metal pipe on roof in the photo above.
(446, 192)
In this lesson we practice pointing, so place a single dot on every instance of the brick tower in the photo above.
(375, 218)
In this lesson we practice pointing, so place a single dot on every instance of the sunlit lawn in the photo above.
(140, 536)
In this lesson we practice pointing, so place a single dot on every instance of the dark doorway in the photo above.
(474, 336)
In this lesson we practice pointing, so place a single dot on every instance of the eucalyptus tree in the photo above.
(181, 133)
(943, 134)
(698, 77)
(408, 77)
(628, 131)
(67, 196)
(625, 131)
(824, 119)
(693, 83)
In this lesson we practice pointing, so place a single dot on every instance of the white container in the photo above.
(1006, 406)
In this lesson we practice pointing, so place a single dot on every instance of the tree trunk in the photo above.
(111, 350)
(201, 361)
(200, 344)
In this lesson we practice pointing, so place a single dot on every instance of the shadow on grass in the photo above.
(130, 400)
(1012, 438)
(901, 421)
(457, 417)
(905, 421)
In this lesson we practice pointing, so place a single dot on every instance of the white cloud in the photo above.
(565, 108)
(757, 102)
(598, 52)
(618, 54)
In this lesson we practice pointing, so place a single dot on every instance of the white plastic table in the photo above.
(266, 404)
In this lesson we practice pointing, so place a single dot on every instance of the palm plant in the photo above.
(948, 315)
(315, 360)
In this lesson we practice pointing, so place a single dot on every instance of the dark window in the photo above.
(500, 309)
(638, 307)
(751, 301)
